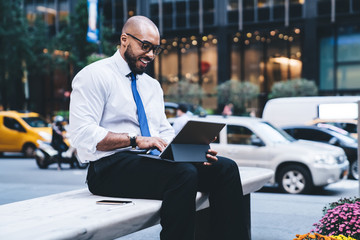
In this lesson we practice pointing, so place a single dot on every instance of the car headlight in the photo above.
(325, 159)
(45, 135)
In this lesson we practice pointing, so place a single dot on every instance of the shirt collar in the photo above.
(121, 64)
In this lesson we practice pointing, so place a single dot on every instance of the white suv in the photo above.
(299, 165)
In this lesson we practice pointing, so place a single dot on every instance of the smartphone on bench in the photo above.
(113, 202)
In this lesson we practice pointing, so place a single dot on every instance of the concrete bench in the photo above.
(75, 214)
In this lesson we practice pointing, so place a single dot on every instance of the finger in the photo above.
(207, 163)
(159, 145)
(212, 152)
(211, 158)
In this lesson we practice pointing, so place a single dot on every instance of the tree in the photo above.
(15, 51)
(294, 88)
(185, 91)
(240, 94)
(73, 38)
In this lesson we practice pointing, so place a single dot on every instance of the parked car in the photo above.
(299, 166)
(326, 135)
(349, 125)
(22, 131)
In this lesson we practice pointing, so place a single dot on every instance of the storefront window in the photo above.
(254, 60)
(209, 71)
(167, 72)
(235, 57)
(282, 57)
(182, 54)
(277, 59)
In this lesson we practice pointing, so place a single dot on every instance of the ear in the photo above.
(124, 40)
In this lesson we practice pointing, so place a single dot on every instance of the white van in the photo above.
(301, 110)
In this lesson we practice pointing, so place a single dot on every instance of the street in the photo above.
(275, 216)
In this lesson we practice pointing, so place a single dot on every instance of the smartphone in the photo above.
(113, 202)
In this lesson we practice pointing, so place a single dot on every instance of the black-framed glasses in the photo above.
(148, 46)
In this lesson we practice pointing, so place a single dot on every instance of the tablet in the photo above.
(191, 143)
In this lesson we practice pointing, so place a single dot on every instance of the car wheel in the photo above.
(295, 179)
(354, 174)
(29, 150)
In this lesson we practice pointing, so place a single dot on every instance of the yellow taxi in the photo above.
(22, 131)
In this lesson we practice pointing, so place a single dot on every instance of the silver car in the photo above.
(299, 165)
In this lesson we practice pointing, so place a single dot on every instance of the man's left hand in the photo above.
(211, 157)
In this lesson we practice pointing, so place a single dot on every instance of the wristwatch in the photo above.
(132, 137)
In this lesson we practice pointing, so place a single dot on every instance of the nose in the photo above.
(151, 54)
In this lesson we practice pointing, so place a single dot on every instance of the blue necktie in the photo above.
(144, 127)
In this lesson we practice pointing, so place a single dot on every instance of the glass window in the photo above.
(277, 63)
(253, 60)
(232, 5)
(311, 134)
(235, 58)
(323, 7)
(35, 122)
(327, 63)
(248, 3)
(63, 11)
(13, 124)
(349, 47)
(348, 76)
(263, 3)
(279, 2)
(169, 66)
(238, 135)
(209, 70)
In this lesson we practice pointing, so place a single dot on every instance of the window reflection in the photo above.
(188, 70)
(264, 58)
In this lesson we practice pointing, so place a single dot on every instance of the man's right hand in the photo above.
(150, 142)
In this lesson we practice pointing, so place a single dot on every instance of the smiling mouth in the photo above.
(144, 61)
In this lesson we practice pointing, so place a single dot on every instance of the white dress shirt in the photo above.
(102, 101)
(180, 122)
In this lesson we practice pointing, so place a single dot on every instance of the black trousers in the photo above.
(126, 174)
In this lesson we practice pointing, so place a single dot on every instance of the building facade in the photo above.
(208, 42)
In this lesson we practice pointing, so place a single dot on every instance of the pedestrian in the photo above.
(117, 111)
(181, 118)
(57, 139)
(228, 110)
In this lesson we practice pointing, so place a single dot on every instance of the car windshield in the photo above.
(344, 138)
(276, 134)
(35, 122)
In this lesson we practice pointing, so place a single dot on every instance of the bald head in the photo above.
(139, 25)
(137, 41)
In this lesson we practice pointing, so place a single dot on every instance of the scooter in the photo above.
(45, 155)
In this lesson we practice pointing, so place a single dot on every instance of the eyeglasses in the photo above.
(147, 46)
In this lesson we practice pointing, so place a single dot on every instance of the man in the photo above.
(108, 128)
(57, 140)
(181, 117)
